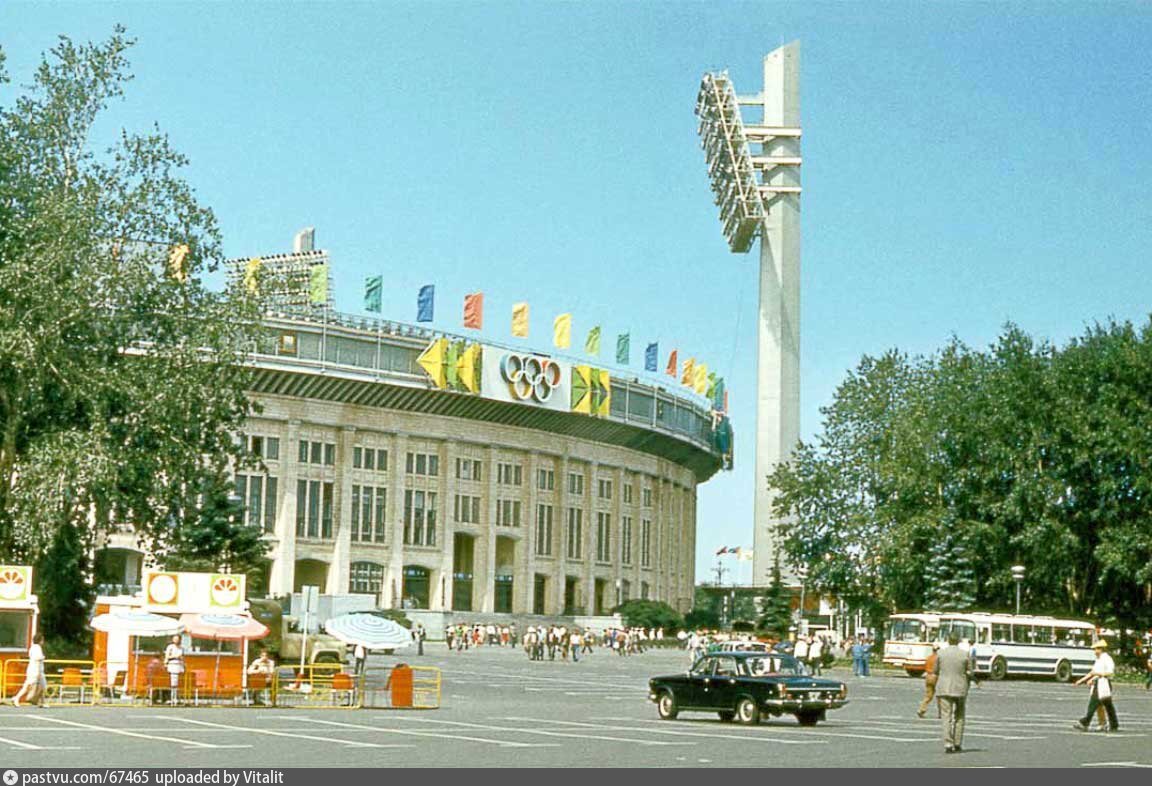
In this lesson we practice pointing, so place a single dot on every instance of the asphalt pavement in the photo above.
(501, 710)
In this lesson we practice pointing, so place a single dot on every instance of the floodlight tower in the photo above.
(755, 174)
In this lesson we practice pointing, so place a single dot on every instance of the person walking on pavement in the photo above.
(953, 672)
(35, 681)
(1101, 680)
(420, 635)
(930, 679)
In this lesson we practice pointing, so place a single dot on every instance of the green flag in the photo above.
(623, 348)
(373, 292)
(592, 344)
(318, 285)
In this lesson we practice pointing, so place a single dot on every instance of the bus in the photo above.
(1018, 645)
(908, 640)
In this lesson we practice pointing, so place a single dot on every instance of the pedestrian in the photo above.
(858, 657)
(930, 679)
(1148, 670)
(800, 649)
(865, 656)
(360, 656)
(174, 665)
(576, 643)
(35, 681)
(816, 655)
(420, 635)
(954, 672)
(1100, 678)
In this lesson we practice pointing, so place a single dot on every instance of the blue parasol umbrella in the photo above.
(369, 631)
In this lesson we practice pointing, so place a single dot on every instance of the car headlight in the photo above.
(843, 691)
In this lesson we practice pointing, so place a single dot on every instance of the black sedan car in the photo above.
(746, 686)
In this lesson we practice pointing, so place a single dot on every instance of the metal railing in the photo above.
(67, 682)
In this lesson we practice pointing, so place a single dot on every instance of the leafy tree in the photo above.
(702, 618)
(121, 385)
(650, 614)
(214, 535)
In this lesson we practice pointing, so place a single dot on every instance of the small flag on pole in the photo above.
(623, 348)
(520, 320)
(474, 311)
(651, 357)
(722, 550)
(700, 378)
(562, 331)
(688, 377)
(318, 285)
(425, 303)
(671, 370)
(592, 343)
(373, 293)
(252, 274)
(176, 267)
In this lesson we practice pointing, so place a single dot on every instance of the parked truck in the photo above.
(285, 641)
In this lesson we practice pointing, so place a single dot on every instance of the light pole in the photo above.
(802, 574)
(1018, 577)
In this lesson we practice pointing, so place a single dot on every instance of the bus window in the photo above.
(906, 630)
(1042, 634)
(1001, 632)
(1022, 634)
(964, 629)
(1075, 637)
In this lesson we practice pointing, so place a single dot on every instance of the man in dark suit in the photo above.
(954, 672)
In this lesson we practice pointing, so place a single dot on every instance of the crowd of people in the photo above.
(551, 641)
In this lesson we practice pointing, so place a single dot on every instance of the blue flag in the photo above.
(424, 303)
(650, 357)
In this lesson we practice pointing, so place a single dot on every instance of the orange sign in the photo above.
(169, 591)
(15, 583)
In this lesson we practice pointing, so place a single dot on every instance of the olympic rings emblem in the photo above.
(530, 377)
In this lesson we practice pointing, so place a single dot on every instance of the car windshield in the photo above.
(770, 664)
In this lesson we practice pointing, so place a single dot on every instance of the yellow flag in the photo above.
(687, 378)
(520, 320)
(176, 259)
(252, 274)
(700, 378)
(562, 331)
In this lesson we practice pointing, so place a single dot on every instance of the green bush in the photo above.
(650, 614)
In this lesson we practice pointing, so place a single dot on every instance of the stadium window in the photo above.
(508, 474)
(627, 493)
(544, 530)
(423, 464)
(508, 513)
(256, 445)
(643, 590)
(626, 539)
(366, 578)
(330, 454)
(271, 487)
(647, 497)
(575, 533)
(603, 537)
(326, 513)
(355, 531)
(467, 469)
(576, 483)
(315, 453)
(419, 518)
(357, 457)
(303, 457)
(381, 505)
(272, 448)
(546, 479)
(645, 543)
(604, 489)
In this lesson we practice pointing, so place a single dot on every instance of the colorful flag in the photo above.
(373, 293)
(474, 311)
(520, 320)
(592, 343)
(425, 302)
(746, 555)
(700, 378)
(723, 550)
(623, 348)
(318, 285)
(671, 370)
(719, 395)
(725, 400)
(176, 267)
(252, 274)
(651, 355)
(562, 331)
(688, 377)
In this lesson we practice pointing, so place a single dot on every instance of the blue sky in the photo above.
(965, 164)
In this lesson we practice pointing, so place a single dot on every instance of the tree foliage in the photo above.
(649, 614)
(776, 609)
(933, 475)
(121, 385)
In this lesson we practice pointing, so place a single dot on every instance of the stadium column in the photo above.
(560, 537)
(446, 526)
(617, 525)
(591, 535)
(284, 557)
(484, 561)
(394, 587)
(524, 590)
(689, 571)
(341, 569)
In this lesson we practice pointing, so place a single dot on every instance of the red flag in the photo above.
(474, 310)
(672, 365)
(723, 550)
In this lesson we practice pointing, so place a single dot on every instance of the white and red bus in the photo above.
(908, 640)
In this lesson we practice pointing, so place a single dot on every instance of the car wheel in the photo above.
(1063, 671)
(999, 669)
(747, 712)
(726, 715)
(808, 718)
(666, 706)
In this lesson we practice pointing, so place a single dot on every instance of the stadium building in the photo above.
(444, 473)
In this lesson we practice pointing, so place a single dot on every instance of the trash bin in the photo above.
(400, 685)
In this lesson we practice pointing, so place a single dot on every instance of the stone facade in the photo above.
(491, 548)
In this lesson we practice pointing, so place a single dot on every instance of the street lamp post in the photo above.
(1018, 577)
(802, 574)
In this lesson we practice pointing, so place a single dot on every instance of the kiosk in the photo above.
(213, 668)
(19, 617)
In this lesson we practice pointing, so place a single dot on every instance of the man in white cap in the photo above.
(1101, 679)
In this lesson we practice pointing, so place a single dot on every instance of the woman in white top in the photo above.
(174, 663)
(35, 683)
(1101, 678)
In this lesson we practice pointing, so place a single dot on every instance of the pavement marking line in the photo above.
(140, 735)
(673, 732)
(1116, 764)
(822, 732)
(544, 733)
(25, 745)
(270, 733)
(358, 727)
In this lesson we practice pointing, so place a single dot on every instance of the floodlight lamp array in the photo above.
(730, 166)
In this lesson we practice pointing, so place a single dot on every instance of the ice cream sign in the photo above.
(167, 591)
(15, 583)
